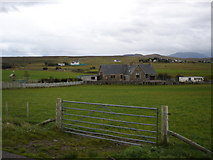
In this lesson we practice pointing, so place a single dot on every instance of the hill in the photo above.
(188, 55)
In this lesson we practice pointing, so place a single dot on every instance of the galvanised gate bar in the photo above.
(87, 119)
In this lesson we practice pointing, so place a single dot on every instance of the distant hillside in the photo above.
(188, 55)
(132, 55)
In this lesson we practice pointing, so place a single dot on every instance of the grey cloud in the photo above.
(7, 8)
(13, 5)
(187, 30)
(151, 28)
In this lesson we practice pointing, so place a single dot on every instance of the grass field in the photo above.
(185, 69)
(37, 75)
(172, 69)
(189, 105)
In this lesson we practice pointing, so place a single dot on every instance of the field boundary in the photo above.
(150, 82)
(11, 85)
(165, 132)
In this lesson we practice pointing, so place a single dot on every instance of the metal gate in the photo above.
(119, 123)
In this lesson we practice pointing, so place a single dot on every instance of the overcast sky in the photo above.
(104, 27)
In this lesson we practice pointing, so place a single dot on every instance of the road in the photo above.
(7, 155)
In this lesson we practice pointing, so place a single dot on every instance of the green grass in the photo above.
(36, 75)
(185, 69)
(189, 105)
(48, 142)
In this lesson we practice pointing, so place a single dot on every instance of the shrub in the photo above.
(57, 68)
(45, 68)
(6, 66)
(50, 64)
(55, 80)
(92, 67)
(163, 76)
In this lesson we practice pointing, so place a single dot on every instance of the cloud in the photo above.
(106, 27)
(13, 5)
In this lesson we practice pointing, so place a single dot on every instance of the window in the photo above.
(112, 76)
(92, 78)
(199, 79)
(137, 75)
(146, 75)
(152, 77)
(121, 76)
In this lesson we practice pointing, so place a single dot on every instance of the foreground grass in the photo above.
(48, 142)
(189, 105)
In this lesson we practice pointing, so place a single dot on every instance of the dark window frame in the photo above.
(137, 75)
(112, 76)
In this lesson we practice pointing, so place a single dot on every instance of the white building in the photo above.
(115, 60)
(88, 77)
(75, 63)
(61, 64)
(191, 79)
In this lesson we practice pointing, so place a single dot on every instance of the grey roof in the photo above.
(114, 68)
(148, 69)
(126, 69)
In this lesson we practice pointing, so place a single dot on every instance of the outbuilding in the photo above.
(87, 78)
(61, 64)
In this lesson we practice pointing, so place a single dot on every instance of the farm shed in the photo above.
(88, 77)
(61, 64)
(191, 79)
(124, 72)
(116, 60)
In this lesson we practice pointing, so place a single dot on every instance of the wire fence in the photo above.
(28, 111)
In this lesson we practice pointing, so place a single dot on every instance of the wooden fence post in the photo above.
(28, 111)
(188, 141)
(59, 113)
(6, 109)
(164, 125)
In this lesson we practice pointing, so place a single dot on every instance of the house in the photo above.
(13, 76)
(75, 63)
(124, 72)
(115, 60)
(88, 78)
(191, 79)
(61, 64)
